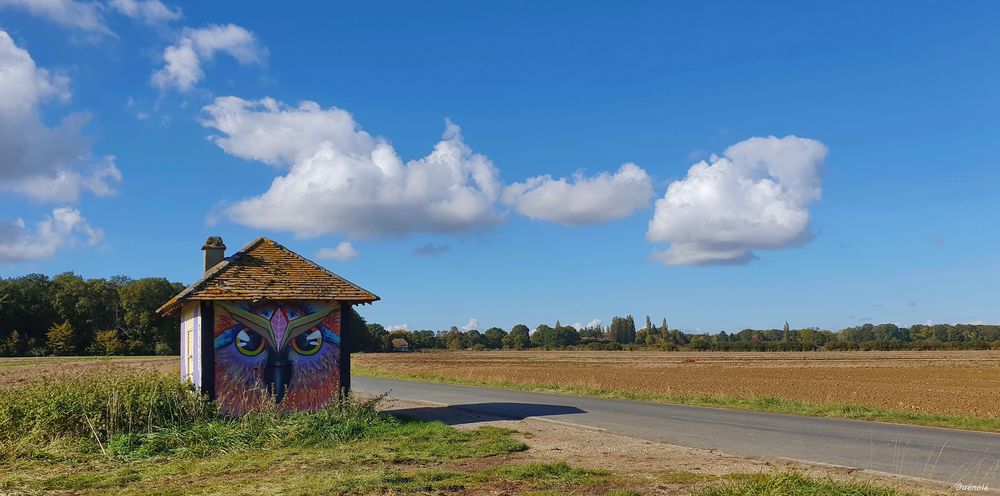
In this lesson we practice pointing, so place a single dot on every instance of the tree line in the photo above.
(69, 315)
(621, 334)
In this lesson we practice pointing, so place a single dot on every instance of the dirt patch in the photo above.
(940, 382)
(649, 466)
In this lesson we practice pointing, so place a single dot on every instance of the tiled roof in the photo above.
(265, 270)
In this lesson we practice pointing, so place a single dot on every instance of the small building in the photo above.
(400, 344)
(266, 324)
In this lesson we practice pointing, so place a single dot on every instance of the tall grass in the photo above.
(141, 414)
(796, 484)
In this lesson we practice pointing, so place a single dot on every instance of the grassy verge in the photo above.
(759, 403)
(794, 484)
(143, 433)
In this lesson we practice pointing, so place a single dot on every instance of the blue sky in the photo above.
(875, 199)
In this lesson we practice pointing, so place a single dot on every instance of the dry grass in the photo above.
(939, 382)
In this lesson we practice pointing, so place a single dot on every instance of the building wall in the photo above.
(191, 342)
(287, 351)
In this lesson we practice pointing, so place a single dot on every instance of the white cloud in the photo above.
(46, 164)
(582, 200)
(63, 226)
(398, 327)
(84, 16)
(472, 324)
(343, 252)
(147, 11)
(589, 325)
(185, 58)
(341, 179)
(755, 197)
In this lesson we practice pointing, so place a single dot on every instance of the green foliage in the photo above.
(794, 484)
(518, 339)
(61, 339)
(494, 337)
(135, 433)
(33, 304)
(109, 343)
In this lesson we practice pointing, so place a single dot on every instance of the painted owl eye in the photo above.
(249, 343)
(308, 343)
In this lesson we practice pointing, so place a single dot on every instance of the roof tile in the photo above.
(266, 270)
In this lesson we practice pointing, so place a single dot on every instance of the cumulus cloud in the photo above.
(343, 252)
(63, 226)
(82, 16)
(342, 179)
(398, 327)
(184, 59)
(430, 250)
(46, 164)
(472, 324)
(147, 11)
(593, 324)
(755, 197)
(582, 200)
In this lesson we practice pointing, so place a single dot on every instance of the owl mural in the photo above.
(288, 350)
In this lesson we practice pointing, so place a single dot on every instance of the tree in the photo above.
(622, 330)
(109, 343)
(13, 345)
(61, 339)
(518, 338)
(424, 340)
(649, 326)
(664, 330)
(494, 337)
(143, 327)
(373, 339)
(472, 338)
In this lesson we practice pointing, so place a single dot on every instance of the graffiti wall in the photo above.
(283, 352)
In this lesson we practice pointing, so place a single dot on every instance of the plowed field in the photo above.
(950, 382)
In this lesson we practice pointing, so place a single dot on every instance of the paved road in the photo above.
(945, 455)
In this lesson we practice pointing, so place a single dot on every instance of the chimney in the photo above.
(215, 251)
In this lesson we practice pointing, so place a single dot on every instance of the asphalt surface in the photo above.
(945, 455)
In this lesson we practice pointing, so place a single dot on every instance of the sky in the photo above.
(721, 165)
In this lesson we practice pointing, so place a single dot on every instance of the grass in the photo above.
(794, 484)
(138, 433)
(757, 403)
(145, 433)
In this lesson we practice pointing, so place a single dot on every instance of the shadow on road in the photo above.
(484, 412)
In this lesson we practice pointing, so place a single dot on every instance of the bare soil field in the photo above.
(939, 382)
(17, 371)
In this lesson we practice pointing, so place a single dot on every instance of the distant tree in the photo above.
(376, 338)
(518, 338)
(664, 330)
(494, 337)
(13, 345)
(61, 339)
(424, 340)
(471, 338)
(143, 327)
(109, 343)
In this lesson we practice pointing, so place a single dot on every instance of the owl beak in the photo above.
(278, 374)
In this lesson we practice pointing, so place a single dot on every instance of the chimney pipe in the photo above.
(215, 251)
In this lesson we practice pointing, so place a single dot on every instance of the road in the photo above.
(945, 455)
